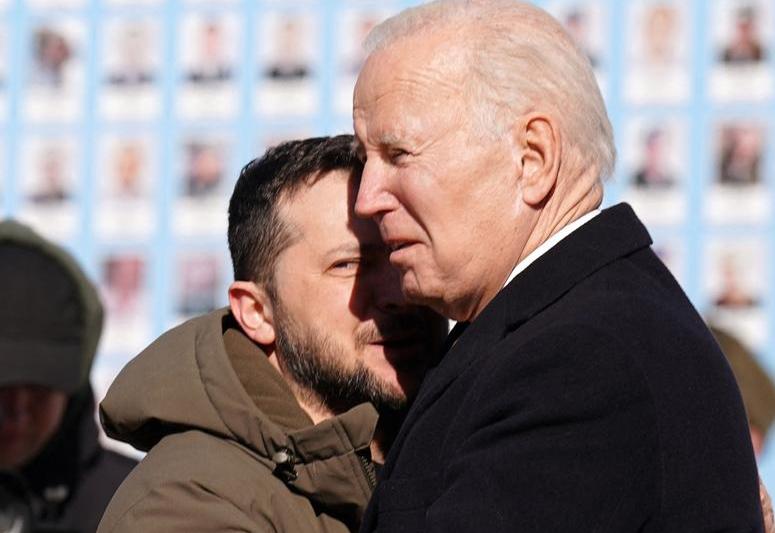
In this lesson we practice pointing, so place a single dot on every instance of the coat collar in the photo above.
(205, 375)
(615, 233)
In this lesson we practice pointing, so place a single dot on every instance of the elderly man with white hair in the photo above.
(580, 390)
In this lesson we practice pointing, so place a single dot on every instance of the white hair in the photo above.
(520, 60)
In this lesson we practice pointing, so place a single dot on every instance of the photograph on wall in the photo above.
(126, 178)
(738, 173)
(55, 70)
(204, 185)
(124, 286)
(209, 46)
(49, 185)
(742, 33)
(288, 64)
(198, 275)
(131, 60)
(736, 286)
(658, 54)
(353, 25)
(654, 159)
(587, 23)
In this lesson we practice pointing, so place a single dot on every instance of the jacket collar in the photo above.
(615, 233)
(326, 462)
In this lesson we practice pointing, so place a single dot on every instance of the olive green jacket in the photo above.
(229, 448)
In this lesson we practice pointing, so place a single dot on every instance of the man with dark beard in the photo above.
(255, 417)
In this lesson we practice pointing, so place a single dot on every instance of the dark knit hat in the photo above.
(50, 313)
(755, 385)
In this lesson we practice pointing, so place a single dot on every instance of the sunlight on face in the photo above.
(444, 197)
(340, 298)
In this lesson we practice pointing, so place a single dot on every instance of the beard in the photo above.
(316, 364)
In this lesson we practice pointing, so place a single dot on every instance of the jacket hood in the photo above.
(186, 380)
(56, 350)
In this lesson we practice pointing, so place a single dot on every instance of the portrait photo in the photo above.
(198, 275)
(658, 52)
(56, 70)
(131, 59)
(50, 184)
(209, 45)
(739, 159)
(205, 178)
(742, 33)
(288, 64)
(654, 157)
(736, 285)
(126, 175)
(124, 287)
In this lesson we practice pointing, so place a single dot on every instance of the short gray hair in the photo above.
(521, 60)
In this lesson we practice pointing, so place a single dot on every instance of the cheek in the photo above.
(333, 306)
(47, 418)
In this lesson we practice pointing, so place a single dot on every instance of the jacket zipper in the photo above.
(368, 467)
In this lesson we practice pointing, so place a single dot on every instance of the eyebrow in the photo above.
(389, 137)
(386, 138)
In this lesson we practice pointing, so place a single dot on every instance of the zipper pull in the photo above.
(285, 461)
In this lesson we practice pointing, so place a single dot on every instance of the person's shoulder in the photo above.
(197, 481)
(222, 464)
(192, 477)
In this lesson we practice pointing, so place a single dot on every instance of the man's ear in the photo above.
(538, 144)
(252, 308)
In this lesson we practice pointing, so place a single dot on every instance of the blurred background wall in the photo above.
(124, 123)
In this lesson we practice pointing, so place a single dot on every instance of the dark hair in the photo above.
(256, 233)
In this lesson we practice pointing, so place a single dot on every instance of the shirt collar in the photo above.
(551, 242)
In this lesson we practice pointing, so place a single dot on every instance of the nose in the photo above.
(374, 197)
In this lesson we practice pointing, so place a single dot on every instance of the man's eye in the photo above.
(397, 155)
(349, 264)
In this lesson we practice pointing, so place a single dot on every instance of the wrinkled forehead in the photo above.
(434, 56)
(406, 87)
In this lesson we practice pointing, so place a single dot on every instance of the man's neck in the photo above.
(584, 197)
(309, 402)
